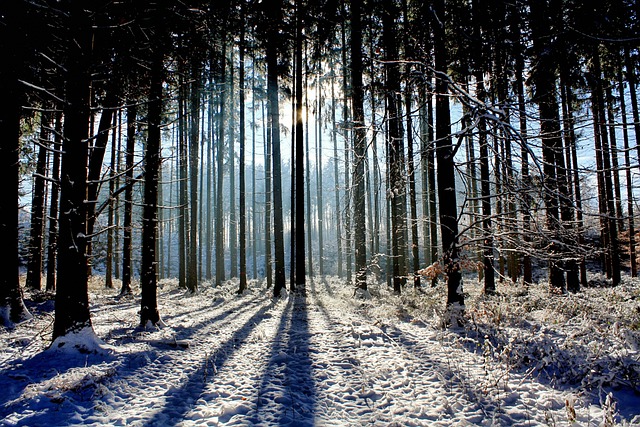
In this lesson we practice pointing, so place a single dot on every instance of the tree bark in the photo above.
(148, 270)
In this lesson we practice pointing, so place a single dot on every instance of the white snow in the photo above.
(327, 357)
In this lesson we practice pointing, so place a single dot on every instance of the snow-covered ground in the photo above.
(327, 358)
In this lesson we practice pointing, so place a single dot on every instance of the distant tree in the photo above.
(34, 266)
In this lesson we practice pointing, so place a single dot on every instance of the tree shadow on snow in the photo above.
(176, 405)
(288, 379)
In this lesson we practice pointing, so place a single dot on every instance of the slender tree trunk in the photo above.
(411, 173)
(34, 265)
(308, 176)
(108, 280)
(268, 199)
(183, 224)
(359, 147)
(52, 251)
(233, 220)
(220, 268)
(611, 223)
(254, 222)
(545, 90)
(194, 148)
(243, 212)
(485, 190)
(347, 186)
(128, 200)
(319, 184)
(334, 137)
(148, 275)
(617, 191)
(395, 149)
(299, 158)
(274, 114)
(446, 170)
(627, 164)
(572, 192)
(632, 80)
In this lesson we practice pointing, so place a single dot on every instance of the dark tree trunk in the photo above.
(446, 168)
(128, 200)
(108, 280)
(300, 258)
(274, 114)
(148, 271)
(72, 300)
(627, 164)
(12, 308)
(359, 147)
(194, 148)
(395, 148)
(243, 211)
(52, 251)
(34, 266)
(545, 96)
(220, 267)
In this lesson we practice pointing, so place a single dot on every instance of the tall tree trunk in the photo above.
(128, 200)
(609, 202)
(485, 191)
(220, 267)
(299, 157)
(627, 164)
(96, 159)
(148, 275)
(319, 184)
(629, 182)
(617, 192)
(545, 96)
(446, 168)
(72, 299)
(183, 223)
(268, 198)
(572, 192)
(408, 95)
(347, 186)
(336, 177)
(243, 212)
(12, 308)
(359, 147)
(52, 250)
(308, 175)
(233, 220)
(34, 265)
(395, 148)
(254, 216)
(274, 114)
(108, 280)
(194, 148)
(632, 79)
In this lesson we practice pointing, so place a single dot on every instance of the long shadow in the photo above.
(546, 361)
(40, 368)
(174, 408)
(18, 375)
(127, 334)
(290, 362)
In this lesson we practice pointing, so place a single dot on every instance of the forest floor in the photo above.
(328, 358)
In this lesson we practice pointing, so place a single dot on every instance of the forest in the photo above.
(381, 141)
